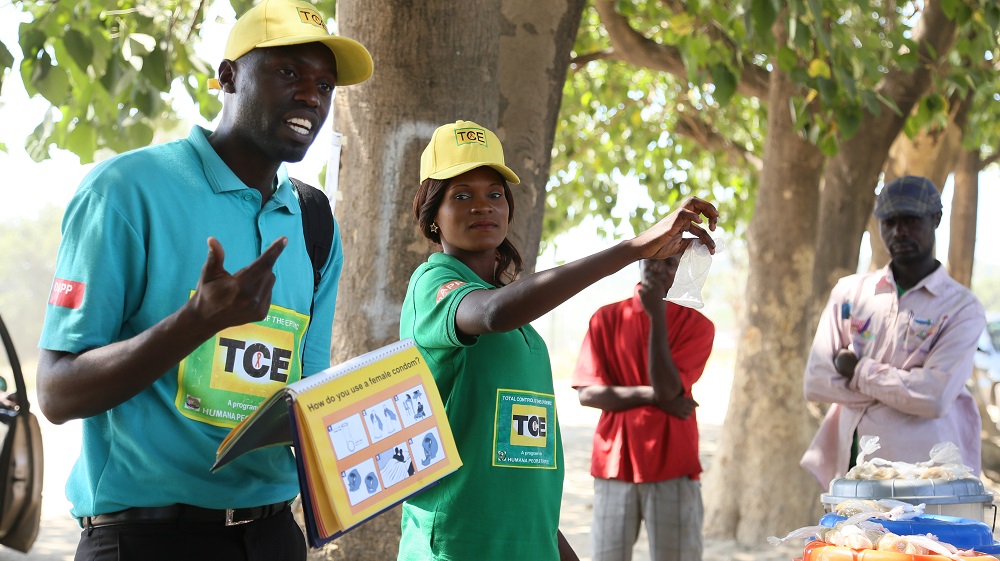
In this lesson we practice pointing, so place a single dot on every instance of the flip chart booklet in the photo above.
(367, 434)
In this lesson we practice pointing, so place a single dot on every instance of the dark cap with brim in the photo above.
(909, 195)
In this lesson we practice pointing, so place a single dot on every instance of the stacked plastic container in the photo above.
(959, 512)
(963, 498)
(873, 512)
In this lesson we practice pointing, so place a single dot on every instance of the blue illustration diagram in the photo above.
(427, 449)
(413, 405)
(361, 481)
(382, 420)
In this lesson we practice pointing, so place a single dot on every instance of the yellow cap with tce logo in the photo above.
(280, 23)
(462, 146)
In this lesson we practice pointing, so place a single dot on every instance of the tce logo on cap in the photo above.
(309, 16)
(470, 136)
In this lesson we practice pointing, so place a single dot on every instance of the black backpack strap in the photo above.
(317, 226)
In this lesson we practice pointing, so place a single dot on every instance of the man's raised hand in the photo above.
(653, 288)
(224, 300)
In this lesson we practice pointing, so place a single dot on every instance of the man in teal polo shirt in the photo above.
(160, 350)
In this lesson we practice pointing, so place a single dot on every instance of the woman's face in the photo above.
(473, 214)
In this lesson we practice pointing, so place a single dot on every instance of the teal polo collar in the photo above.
(222, 179)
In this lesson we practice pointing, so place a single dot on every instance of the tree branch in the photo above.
(579, 62)
(991, 160)
(856, 166)
(195, 21)
(634, 48)
(709, 138)
(933, 33)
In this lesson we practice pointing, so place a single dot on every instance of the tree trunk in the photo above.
(535, 46)
(929, 154)
(755, 487)
(499, 63)
(849, 182)
(445, 70)
(764, 491)
(964, 202)
(849, 193)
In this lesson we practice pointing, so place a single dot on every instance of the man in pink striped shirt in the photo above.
(894, 348)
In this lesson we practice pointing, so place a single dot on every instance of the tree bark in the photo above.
(499, 63)
(964, 203)
(445, 70)
(755, 487)
(632, 47)
(848, 189)
(535, 44)
(931, 154)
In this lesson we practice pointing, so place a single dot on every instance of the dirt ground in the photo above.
(578, 424)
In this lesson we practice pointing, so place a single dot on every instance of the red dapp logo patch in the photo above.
(446, 288)
(67, 293)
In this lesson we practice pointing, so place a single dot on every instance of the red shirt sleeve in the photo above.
(690, 344)
(591, 368)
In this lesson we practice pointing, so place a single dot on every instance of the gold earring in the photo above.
(434, 228)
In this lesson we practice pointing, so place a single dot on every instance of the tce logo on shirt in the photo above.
(525, 433)
(254, 359)
(229, 375)
(527, 426)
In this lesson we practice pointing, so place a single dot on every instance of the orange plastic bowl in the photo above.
(821, 551)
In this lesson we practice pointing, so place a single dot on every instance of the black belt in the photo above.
(183, 513)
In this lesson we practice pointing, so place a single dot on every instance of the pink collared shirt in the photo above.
(916, 354)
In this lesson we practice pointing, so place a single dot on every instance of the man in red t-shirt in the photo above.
(638, 363)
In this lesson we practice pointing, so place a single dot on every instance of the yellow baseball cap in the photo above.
(462, 146)
(279, 23)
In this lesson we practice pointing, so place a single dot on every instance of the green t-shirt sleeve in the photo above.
(436, 295)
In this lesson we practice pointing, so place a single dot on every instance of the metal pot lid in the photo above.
(929, 491)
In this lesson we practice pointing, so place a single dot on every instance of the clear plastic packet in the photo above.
(945, 463)
(804, 534)
(692, 272)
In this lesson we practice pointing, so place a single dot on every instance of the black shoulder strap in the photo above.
(317, 226)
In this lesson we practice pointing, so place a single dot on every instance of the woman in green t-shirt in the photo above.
(470, 319)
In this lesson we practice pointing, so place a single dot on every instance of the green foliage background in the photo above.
(28, 246)
(107, 68)
(622, 124)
